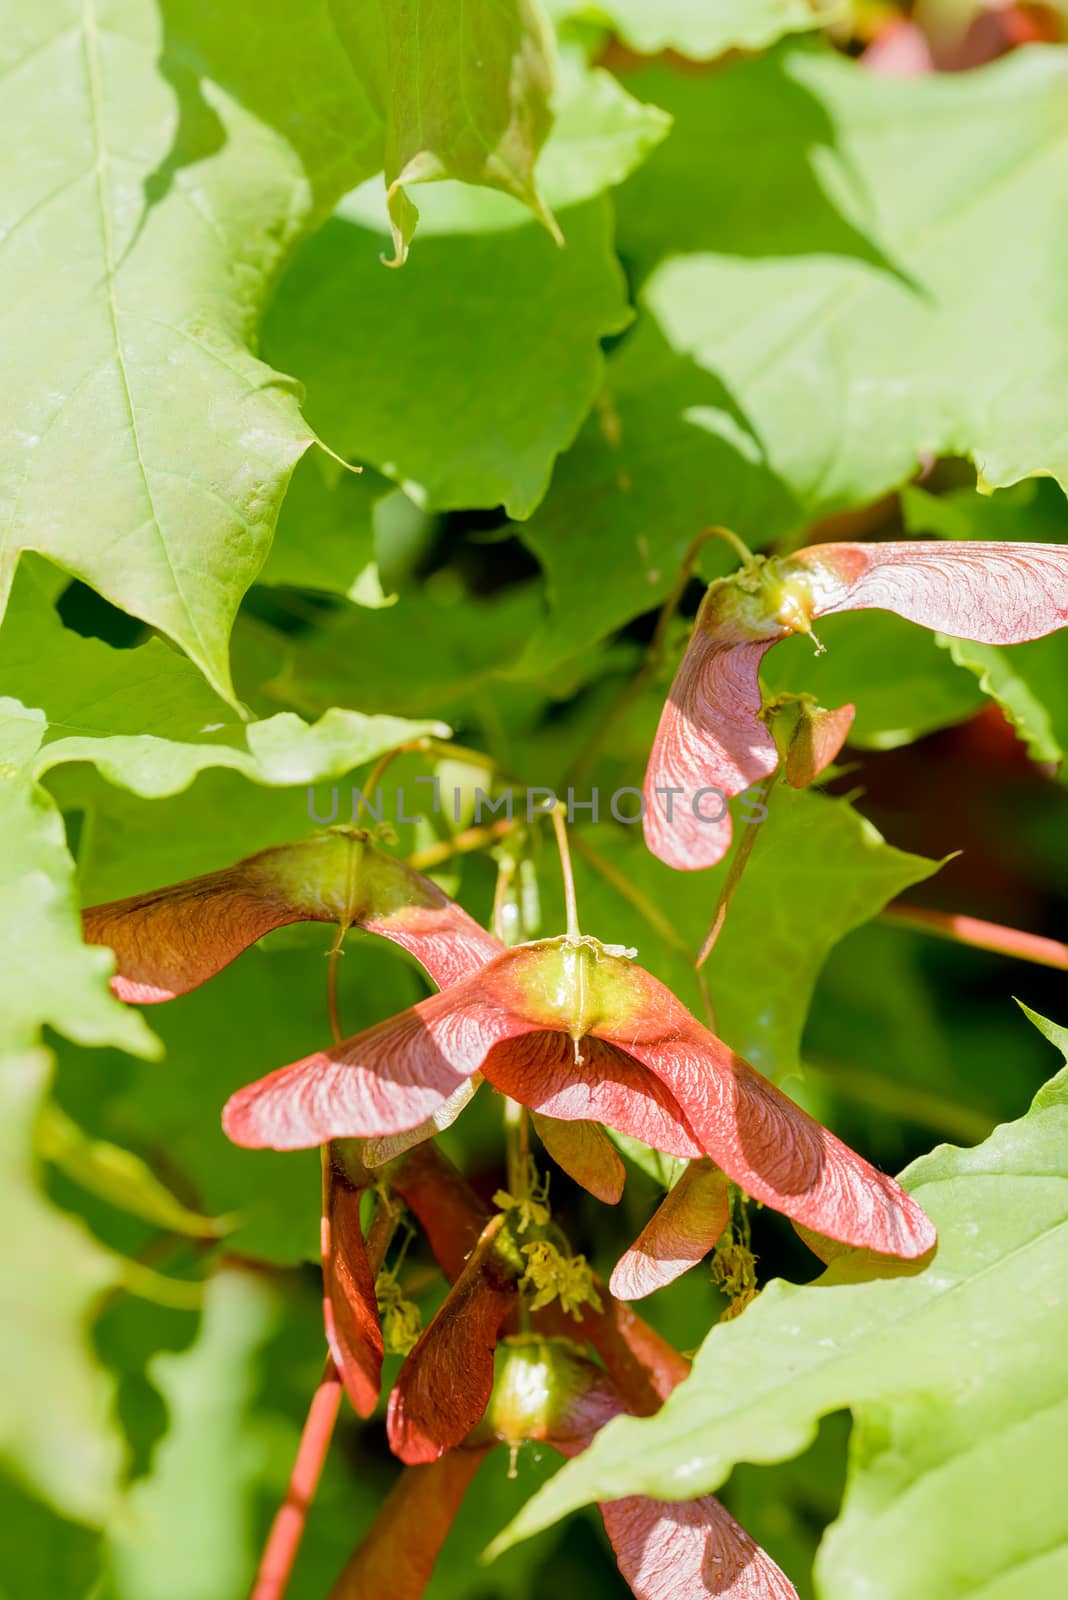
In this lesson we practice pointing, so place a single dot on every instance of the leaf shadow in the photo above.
(667, 451)
(206, 55)
(785, 191)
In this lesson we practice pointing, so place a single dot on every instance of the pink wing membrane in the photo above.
(709, 738)
(779, 1154)
(680, 1233)
(682, 1550)
(770, 1147)
(585, 1153)
(388, 1079)
(595, 1083)
(376, 1152)
(992, 592)
(173, 939)
(710, 735)
(690, 1550)
(445, 1383)
(449, 944)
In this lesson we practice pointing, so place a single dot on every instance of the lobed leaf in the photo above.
(817, 871)
(165, 177)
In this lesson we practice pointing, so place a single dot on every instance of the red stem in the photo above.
(287, 1529)
(981, 935)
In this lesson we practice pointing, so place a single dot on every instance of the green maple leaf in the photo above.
(47, 975)
(168, 171)
(97, 700)
(463, 95)
(203, 1472)
(956, 1374)
(664, 453)
(325, 538)
(1028, 681)
(165, 177)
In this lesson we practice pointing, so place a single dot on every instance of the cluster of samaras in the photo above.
(586, 1039)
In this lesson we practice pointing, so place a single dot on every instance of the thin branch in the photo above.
(461, 844)
(287, 1530)
(980, 935)
(739, 862)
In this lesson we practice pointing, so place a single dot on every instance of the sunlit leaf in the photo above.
(47, 975)
(463, 97)
(164, 177)
(98, 701)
